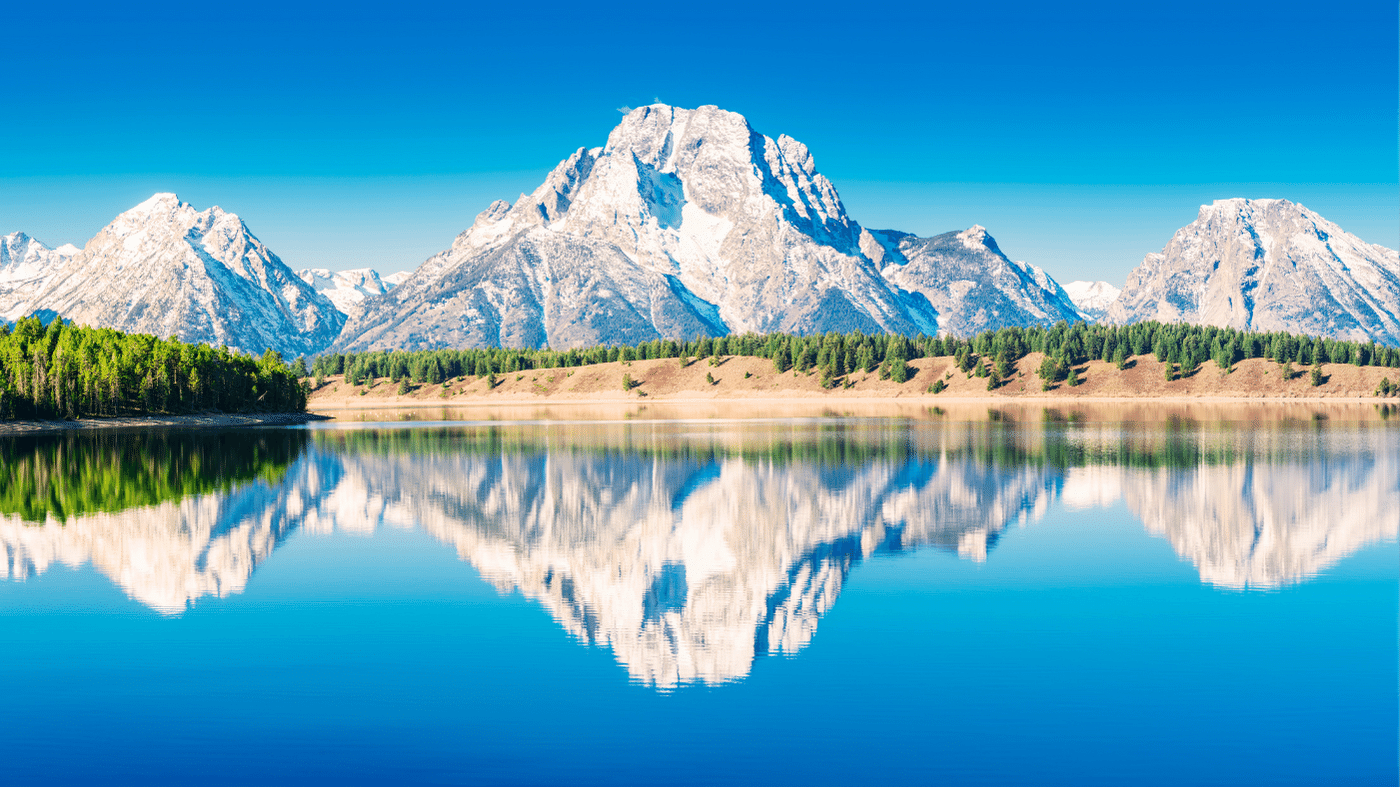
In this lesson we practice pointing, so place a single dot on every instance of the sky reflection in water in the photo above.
(1067, 601)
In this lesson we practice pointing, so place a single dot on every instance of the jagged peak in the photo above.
(494, 212)
(1240, 205)
(797, 154)
(649, 131)
(974, 237)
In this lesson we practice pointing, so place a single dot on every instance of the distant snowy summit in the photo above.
(1092, 298)
(1267, 265)
(690, 222)
(168, 269)
(348, 289)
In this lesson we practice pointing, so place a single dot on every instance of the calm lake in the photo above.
(1007, 596)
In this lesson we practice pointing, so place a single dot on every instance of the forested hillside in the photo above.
(67, 371)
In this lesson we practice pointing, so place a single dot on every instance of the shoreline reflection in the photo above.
(691, 549)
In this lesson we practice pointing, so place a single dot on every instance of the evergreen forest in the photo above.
(68, 371)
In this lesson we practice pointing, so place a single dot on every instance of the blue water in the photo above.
(805, 602)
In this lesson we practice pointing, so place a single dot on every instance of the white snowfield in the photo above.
(690, 571)
(1267, 265)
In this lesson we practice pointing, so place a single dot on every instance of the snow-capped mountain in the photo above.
(1268, 265)
(25, 265)
(348, 289)
(167, 269)
(689, 222)
(1092, 298)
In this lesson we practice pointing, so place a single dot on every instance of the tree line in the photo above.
(991, 354)
(69, 371)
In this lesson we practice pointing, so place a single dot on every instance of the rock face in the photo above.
(1267, 265)
(689, 222)
(1092, 298)
(25, 266)
(167, 269)
(349, 289)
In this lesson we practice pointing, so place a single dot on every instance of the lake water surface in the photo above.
(980, 597)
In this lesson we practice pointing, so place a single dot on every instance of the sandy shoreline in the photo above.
(160, 422)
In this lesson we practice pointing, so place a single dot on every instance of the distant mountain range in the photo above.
(686, 222)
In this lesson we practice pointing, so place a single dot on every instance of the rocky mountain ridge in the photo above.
(686, 222)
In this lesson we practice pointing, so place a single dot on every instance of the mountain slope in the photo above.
(685, 222)
(167, 269)
(1268, 265)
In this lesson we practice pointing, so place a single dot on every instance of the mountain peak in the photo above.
(161, 201)
(976, 238)
(690, 222)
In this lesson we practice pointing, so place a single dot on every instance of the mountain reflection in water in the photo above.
(689, 549)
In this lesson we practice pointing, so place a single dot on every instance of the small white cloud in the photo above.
(624, 109)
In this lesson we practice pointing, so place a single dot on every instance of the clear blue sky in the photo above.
(1081, 134)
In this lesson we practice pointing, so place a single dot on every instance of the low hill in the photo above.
(754, 379)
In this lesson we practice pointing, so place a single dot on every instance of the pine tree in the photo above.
(866, 358)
